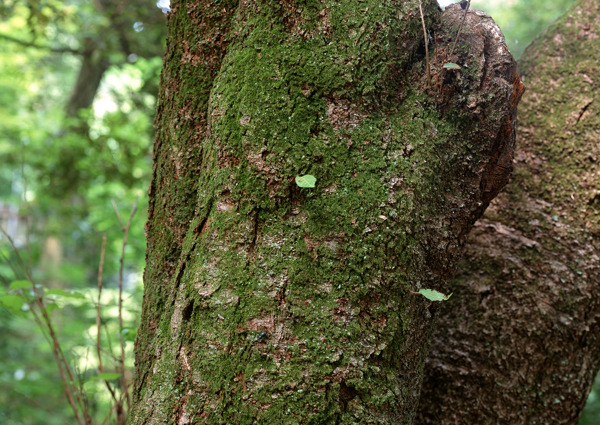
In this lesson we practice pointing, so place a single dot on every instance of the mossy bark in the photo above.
(274, 304)
(518, 343)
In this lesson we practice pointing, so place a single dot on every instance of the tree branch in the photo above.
(39, 46)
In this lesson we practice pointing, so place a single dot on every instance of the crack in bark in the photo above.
(583, 110)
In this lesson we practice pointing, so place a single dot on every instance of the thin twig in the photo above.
(460, 28)
(26, 202)
(440, 75)
(121, 268)
(114, 204)
(108, 416)
(45, 325)
(98, 320)
(426, 47)
(38, 321)
(80, 389)
(39, 405)
(63, 363)
(16, 269)
(111, 351)
(39, 46)
(100, 270)
(26, 271)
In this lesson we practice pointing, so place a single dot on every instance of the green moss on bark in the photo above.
(287, 304)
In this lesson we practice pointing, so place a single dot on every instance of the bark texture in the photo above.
(270, 303)
(518, 341)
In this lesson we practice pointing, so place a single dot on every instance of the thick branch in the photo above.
(92, 69)
(40, 46)
(518, 342)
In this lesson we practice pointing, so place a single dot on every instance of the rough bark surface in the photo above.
(274, 304)
(518, 343)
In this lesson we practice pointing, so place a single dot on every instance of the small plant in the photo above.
(25, 297)
(465, 5)
(426, 46)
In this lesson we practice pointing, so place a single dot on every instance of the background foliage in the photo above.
(522, 20)
(78, 84)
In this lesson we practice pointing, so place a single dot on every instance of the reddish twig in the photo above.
(460, 28)
(440, 75)
(39, 405)
(45, 324)
(98, 320)
(116, 210)
(26, 203)
(426, 47)
(121, 268)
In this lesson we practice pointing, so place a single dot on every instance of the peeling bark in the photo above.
(270, 303)
(518, 341)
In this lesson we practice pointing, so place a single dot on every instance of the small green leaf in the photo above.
(106, 376)
(51, 306)
(433, 295)
(20, 284)
(306, 181)
(129, 334)
(66, 294)
(12, 303)
(451, 65)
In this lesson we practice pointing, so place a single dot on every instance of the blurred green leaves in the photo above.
(522, 20)
(69, 163)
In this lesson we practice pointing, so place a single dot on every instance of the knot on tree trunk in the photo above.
(475, 86)
(476, 74)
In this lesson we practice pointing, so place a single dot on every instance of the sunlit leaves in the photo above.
(12, 303)
(106, 376)
(66, 294)
(20, 284)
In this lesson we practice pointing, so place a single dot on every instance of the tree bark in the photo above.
(518, 342)
(270, 303)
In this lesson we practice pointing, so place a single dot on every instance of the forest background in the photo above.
(78, 86)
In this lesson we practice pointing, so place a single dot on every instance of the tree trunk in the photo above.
(518, 342)
(266, 302)
(93, 66)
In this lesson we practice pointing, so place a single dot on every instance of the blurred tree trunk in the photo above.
(518, 343)
(93, 66)
(266, 302)
(119, 36)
